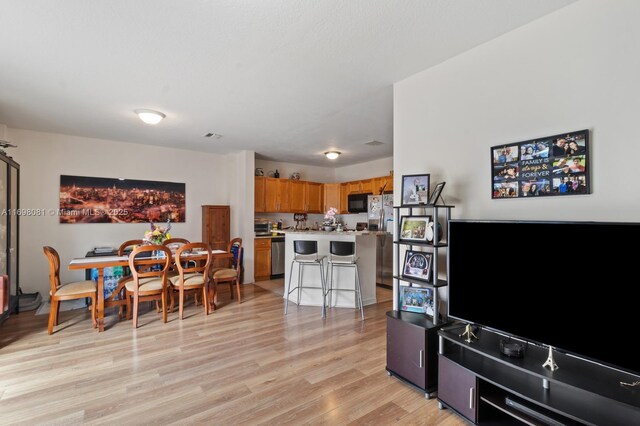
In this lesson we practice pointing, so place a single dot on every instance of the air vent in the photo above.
(374, 143)
(212, 135)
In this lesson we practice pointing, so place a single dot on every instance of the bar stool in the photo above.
(305, 253)
(342, 254)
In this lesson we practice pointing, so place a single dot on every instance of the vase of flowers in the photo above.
(329, 222)
(157, 234)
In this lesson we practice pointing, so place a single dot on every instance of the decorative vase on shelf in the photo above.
(328, 228)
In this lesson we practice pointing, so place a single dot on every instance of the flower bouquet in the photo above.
(157, 234)
(330, 219)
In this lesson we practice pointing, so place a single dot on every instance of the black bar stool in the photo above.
(305, 253)
(342, 254)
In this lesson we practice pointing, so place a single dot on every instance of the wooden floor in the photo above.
(243, 364)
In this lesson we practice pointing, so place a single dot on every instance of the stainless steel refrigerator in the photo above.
(380, 215)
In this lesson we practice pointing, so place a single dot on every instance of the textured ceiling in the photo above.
(286, 79)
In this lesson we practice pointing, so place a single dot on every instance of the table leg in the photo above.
(100, 305)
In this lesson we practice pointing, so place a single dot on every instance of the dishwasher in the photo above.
(277, 257)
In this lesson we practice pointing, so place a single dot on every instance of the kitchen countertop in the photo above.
(316, 232)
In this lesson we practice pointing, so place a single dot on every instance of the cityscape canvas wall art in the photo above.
(107, 200)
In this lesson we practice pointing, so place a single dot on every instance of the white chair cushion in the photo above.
(78, 287)
(146, 284)
(345, 260)
(225, 273)
(308, 258)
(189, 279)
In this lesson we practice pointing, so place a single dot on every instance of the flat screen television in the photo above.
(571, 285)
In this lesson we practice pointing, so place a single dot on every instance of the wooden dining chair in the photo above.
(191, 277)
(175, 243)
(228, 275)
(69, 291)
(118, 297)
(147, 283)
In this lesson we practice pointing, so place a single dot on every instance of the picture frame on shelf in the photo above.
(413, 228)
(415, 190)
(416, 299)
(417, 264)
(433, 198)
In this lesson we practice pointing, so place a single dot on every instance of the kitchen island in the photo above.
(342, 277)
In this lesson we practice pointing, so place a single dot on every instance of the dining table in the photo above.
(109, 261)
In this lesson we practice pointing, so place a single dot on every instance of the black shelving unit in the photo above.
(9, 229)
(435, 247)
(481, 381)
(412, 337)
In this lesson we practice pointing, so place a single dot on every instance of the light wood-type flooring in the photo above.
(243, 364)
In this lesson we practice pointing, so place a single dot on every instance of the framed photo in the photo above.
(417, 264)
(433, 199)
(416, 299)
(413, 228)
(415, 190)
(555, 165)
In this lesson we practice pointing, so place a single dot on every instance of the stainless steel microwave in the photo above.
(357, 203)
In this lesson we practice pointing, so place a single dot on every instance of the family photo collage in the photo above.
(553, 165)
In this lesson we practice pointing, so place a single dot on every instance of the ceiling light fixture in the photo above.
(332, 155)
(150, 116)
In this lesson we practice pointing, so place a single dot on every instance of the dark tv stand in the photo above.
(486, 387)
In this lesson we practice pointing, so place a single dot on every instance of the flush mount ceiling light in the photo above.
(332, 155)
(150, 116)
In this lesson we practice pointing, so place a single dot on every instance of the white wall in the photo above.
(43, 157)
(241, 199)
(573, 69)
(375, 168)
(310, 173)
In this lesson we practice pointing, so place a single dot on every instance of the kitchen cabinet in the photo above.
(344, 198)
(297, 196)
(216, 226)
(314, 197)
(385, 182)
(366, 186)
(262, 259)
(259, 188)
(354, 187)
(332, 196)
(276, 195)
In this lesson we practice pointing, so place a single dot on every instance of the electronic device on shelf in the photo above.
(512, 349)
(532, 412)
(103, 250)
(536, 276)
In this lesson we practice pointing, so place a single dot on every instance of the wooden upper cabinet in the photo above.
(271, 198)
(291, 196)
(332, 196)
(385, 182)
(297, 196)
(353, 187)
(259, 188)
(344, 198)
(366, 186)
(284, 188)
(314, 197)
(276, 195)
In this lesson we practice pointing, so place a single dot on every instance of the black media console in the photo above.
(487, 387)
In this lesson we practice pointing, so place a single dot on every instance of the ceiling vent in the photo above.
(212, 135)
(374, 143)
